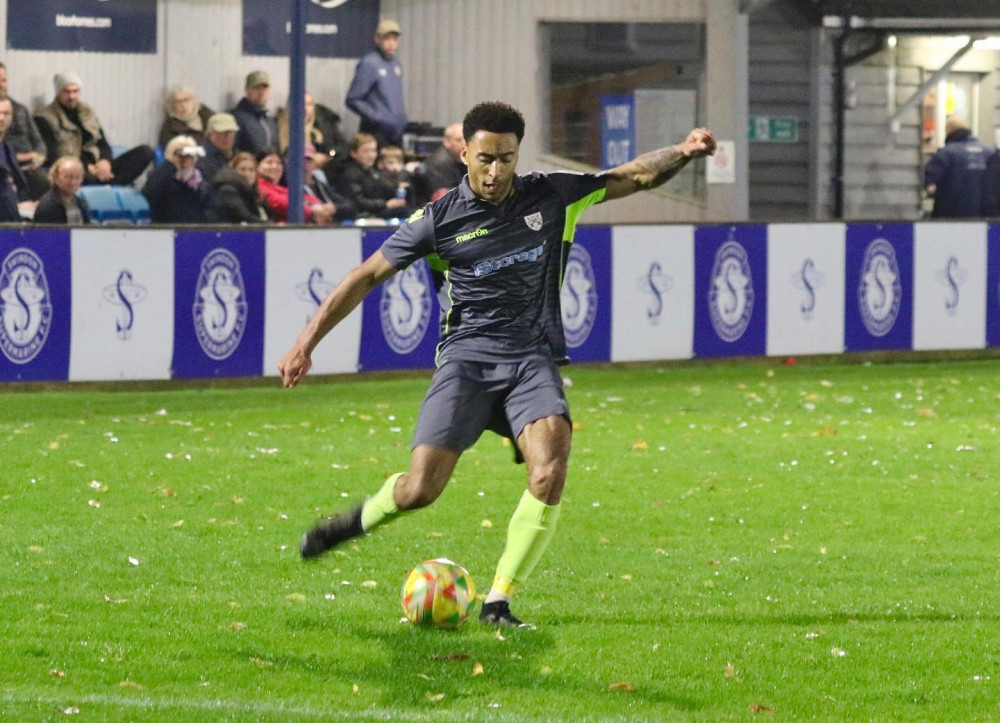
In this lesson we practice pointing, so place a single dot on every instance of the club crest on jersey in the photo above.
(534, 220)
(731, 294)
(578, 297)
(880, 292)
(125, 293)
(405, 308)
(220, 306)
(27, 308)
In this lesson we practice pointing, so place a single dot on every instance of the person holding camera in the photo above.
(174, 188)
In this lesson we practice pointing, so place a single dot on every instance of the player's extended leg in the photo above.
(430, 470)
(545, 445)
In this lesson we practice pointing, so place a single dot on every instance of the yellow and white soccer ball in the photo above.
(438, 593)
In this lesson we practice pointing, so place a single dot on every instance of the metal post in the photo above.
(295, 172)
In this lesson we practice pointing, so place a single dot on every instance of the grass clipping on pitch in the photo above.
(736, 541)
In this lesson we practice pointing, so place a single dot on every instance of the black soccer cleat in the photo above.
(498, 613)
(331, 532)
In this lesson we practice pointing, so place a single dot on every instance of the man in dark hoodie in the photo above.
(376, 93)
(954, 175)
(257, 131)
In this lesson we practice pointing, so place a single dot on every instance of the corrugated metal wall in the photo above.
(781, 63)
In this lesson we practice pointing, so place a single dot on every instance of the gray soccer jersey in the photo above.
(504, 263)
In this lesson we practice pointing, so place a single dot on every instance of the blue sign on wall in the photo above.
(586, 296)
(35, 305)
(334, 28)
(111, 26)
(401, 318)
(730, 291)
(617, 130)
(218, 304)
(878, 293)
(993, 286)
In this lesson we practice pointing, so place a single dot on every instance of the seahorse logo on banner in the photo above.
(313, 290)
(27, 307)
(952, 276)
(405, 308)
(220, 305)
(731, 294)
(655, 284)
(808, 279)
(880, 292)
(578, 297)
(125, 294)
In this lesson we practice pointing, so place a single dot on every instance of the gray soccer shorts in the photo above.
(465, 398)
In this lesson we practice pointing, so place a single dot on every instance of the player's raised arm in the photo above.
(350, 292)
(657, 167)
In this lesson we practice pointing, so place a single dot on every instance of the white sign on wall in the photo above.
(949, 274)
(303, 266)
(805, 289)
(652, 293)
(123, 304)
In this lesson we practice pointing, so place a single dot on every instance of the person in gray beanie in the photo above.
(71, 128)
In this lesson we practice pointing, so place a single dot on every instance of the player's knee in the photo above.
(419, 490)
(547, 480)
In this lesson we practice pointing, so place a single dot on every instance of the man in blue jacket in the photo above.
(954, 176)
(376, 93)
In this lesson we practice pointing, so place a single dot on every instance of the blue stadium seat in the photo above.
(105, 207)
(134, 204)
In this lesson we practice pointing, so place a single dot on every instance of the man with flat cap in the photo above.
(376, 93)
(257, 131)
(220, 140)
(70, 127)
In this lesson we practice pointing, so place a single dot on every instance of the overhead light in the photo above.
(891, 41)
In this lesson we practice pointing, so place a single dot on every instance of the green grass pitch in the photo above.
(743, 541)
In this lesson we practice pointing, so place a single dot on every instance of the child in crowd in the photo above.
(392, 174)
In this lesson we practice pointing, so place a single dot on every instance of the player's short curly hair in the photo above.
(494, 116)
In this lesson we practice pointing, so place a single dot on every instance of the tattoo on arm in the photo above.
(655, 168)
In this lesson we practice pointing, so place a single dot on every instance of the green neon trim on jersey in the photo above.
(573, 212)
(447, 320)
(419, 213)
(437, 263)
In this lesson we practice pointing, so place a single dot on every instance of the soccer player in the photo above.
(505, 239)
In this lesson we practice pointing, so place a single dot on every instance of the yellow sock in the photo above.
(380, 507)
(529, 533)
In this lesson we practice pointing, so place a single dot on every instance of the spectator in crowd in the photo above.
(334, 143)
(63, 204)
(313, 135)
(376, 93)
(991, 186)
(270, 169)
(13, 186)
(358, 181)
(27, 142)
(955, 174)
(173, 188)
(318, 185)
(257, 130)
(220, 140)
(234, 196)
(393, 176)
(71, 128)
(185, 116)
(443, 169)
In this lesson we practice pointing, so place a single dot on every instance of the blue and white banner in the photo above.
(35, 288)
(730, 310)
(878, 287)
(123, 304)
(98, 26)
(617, 130)
(993, 287)
(218, 304)
(334, 28)
(401, 318)
(805, 289)
(652, 301)
(585, 296)
(303, 267)
(949, 278)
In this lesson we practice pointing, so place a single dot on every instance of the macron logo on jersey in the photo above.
(478, 233)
